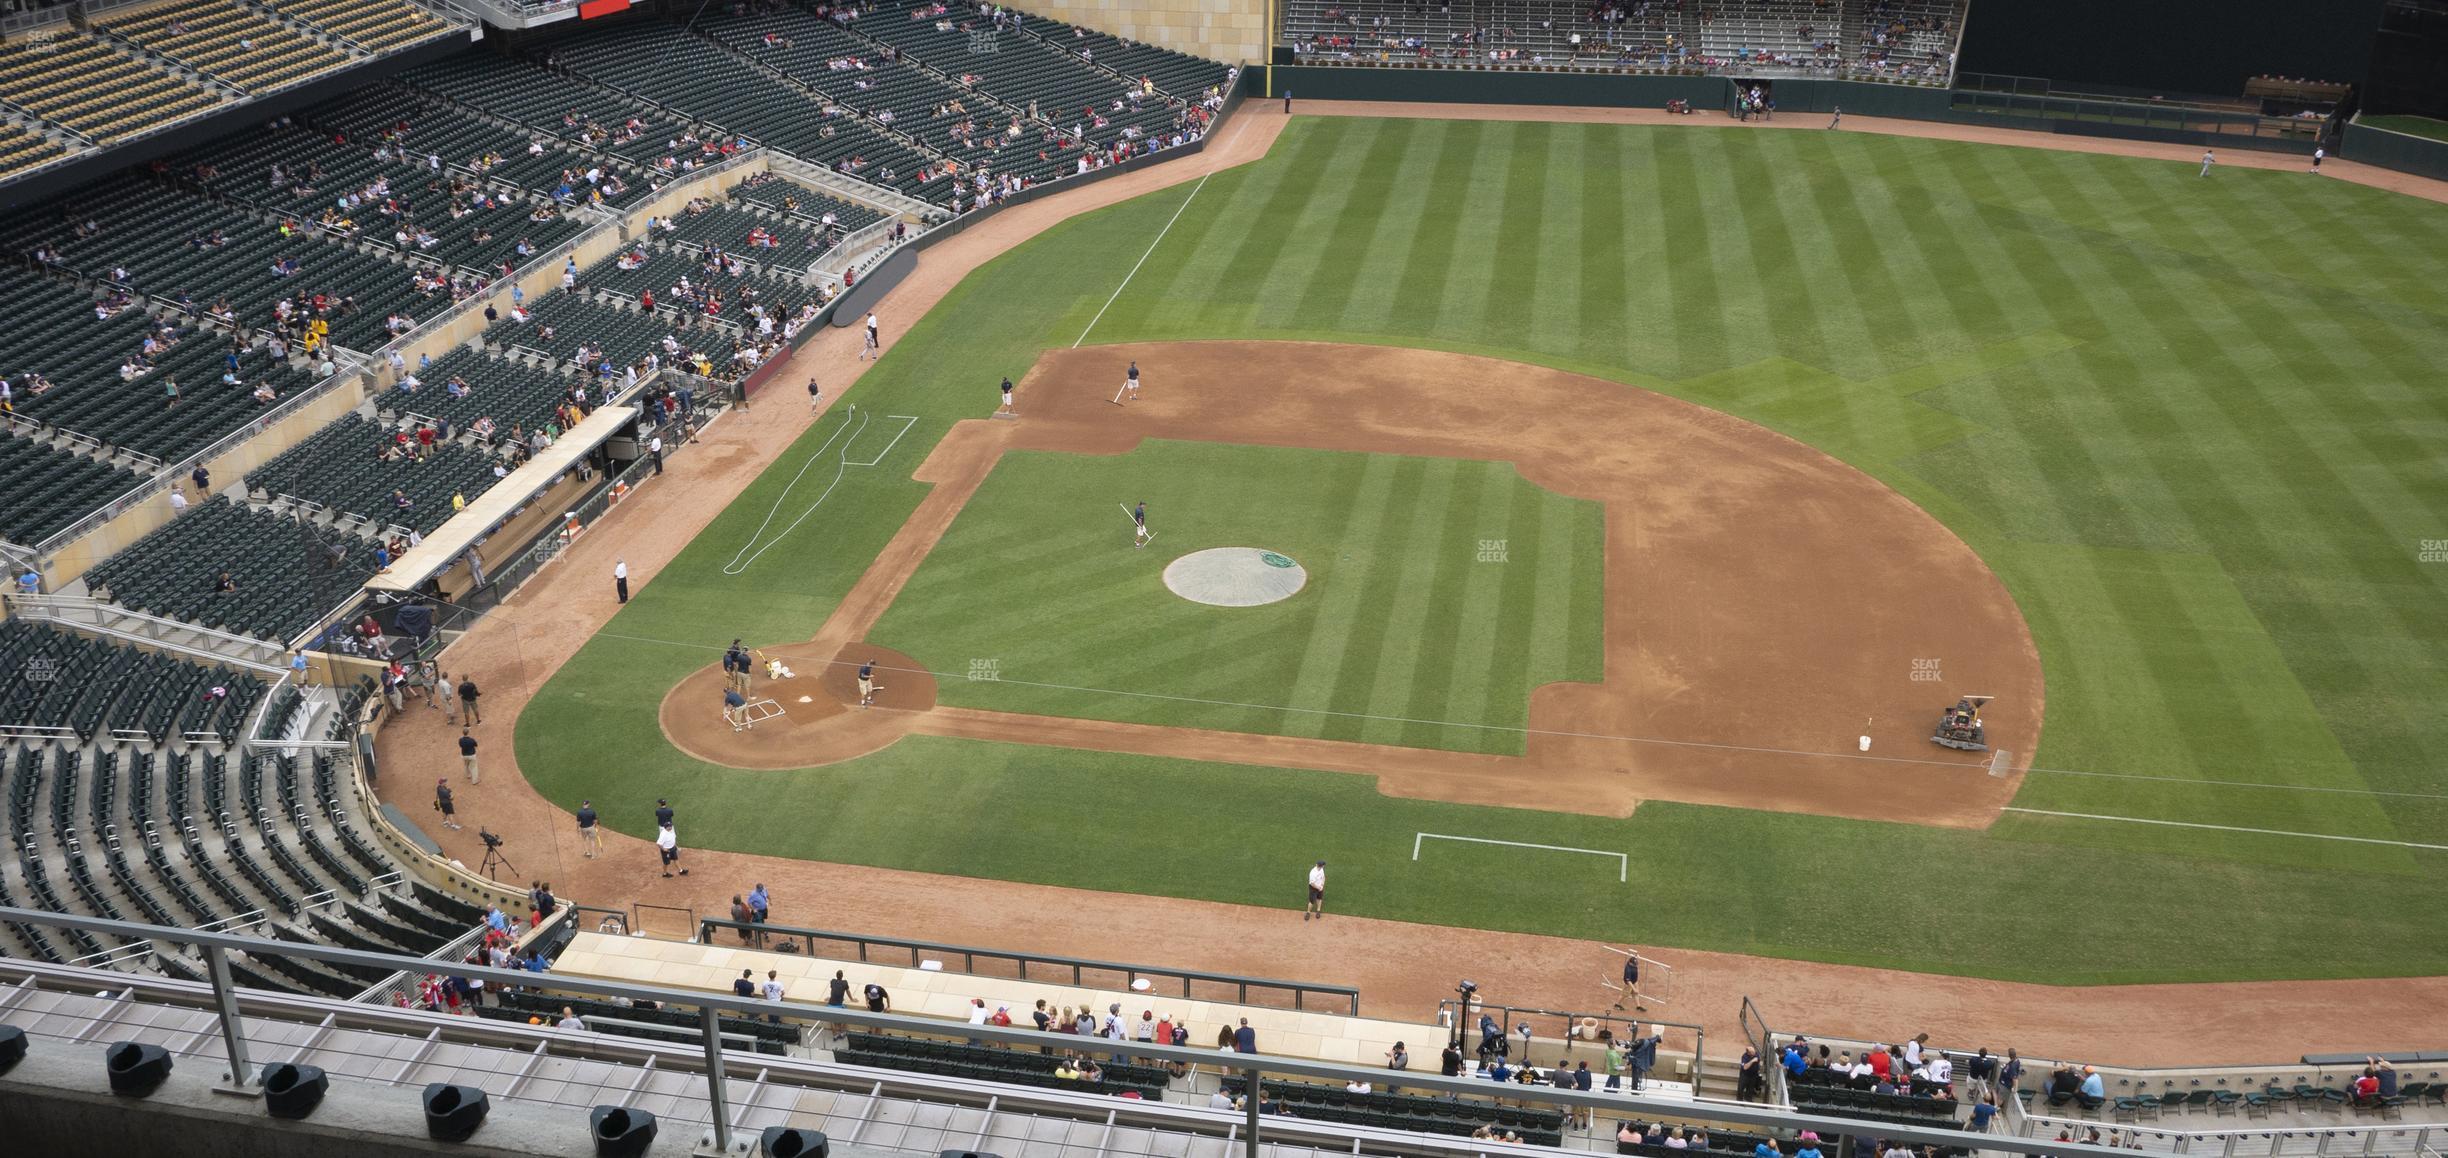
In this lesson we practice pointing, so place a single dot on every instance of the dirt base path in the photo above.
(1705, 608)
(1401, 968)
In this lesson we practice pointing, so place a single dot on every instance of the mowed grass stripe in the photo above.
(1366, 633)
(1696, 308)
(1320, 670)
(1481, 513)
(1377, 282)
(1415, 615)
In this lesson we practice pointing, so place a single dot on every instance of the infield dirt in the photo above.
(1765, 604)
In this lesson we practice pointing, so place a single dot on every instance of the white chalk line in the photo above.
(1134, 269)
(739, 565)
(2227, 828)
(1623, 862)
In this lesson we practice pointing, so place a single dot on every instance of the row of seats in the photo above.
(48, 488)
(511, 393)
(1537, 1126)
(993, 1064)
(70, 80)
(21, 150)
(232, 44)
(54, 332)
(379, 25)
(280, 569)
(624, 335)
(1174, 73)
(591, 1010)
(95, 688)
(1906, 40)
(338, 467)
(805, 203)
(694, 76)
(577, 115)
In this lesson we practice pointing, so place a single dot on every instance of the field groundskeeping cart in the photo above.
(1960, 727)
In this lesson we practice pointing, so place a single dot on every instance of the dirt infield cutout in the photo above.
(1766, 605)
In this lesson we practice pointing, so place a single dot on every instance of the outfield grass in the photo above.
(2411, 126)
(2194, 424)
(1401, 619)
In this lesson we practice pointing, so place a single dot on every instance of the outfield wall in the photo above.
(1710, 94)
(2403, 152)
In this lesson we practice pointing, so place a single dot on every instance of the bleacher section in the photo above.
(574, 114)
(54, 332)
(805, 204)
(995, 1064)
(230, 43)
(337, 468)
(511, 393)
(91, 688)
(79, 83)
(1897, 40)
(376, 25)
(21, 150)
(1173, 73)
(277, 564)
(705, 82)
(625, 335)
(1537, 1127)
(49, 488)
(109, 788)
(677, 1025)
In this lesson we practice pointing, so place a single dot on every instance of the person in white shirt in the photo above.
(772, 990)
(977, 1011)
(620, 579)
(178, 503)
(1317, 893)
(569, 1020)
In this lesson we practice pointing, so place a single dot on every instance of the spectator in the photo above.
(878, 1001)
(837, 991)
(2093, 1091)
(772, 991)
(1245, 1039)
(569, 1020)
(746, 985)
(2384, 1071)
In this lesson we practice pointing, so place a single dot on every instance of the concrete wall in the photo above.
(1232, 31)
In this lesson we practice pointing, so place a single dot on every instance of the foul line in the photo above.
(2229, 828)
(738, 565)
(1134, 269)
(1623, 863)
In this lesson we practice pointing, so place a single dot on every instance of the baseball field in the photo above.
(2163, 444)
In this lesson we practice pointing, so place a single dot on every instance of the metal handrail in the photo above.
(1253, 1068)
(970, 955)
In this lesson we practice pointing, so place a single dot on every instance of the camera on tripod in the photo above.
(490, 840)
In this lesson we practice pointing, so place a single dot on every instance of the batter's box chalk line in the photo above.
(854, 424)
(1623, 862)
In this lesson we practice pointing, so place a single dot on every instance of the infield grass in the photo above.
(2194, 424)
(1404, 619)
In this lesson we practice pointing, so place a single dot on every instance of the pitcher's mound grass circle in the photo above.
(1235, 577)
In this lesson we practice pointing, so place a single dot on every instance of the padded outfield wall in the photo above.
(1793, 96)
(2403, 152)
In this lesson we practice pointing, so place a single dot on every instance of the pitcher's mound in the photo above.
(1235, 577)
